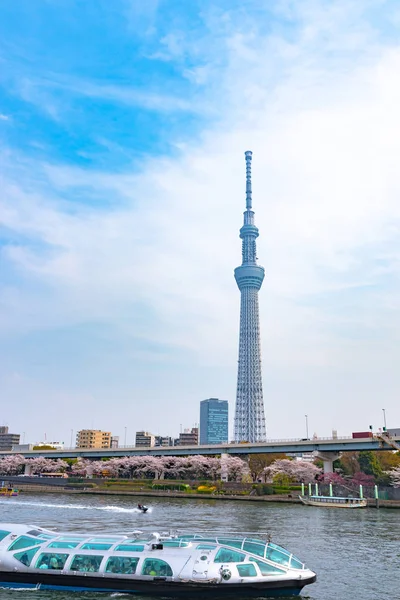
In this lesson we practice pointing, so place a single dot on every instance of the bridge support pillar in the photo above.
(224, 467)
(27, 469)
(328, 458)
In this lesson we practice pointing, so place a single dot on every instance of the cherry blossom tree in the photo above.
(361, 478)
(333, 478)
(394, 475)
(236, 467)
(197, 467)
(174, 467)
(82, 467)
(214, 468)
(39, 464)
(150, 466)
(12, 465)
(299, 471)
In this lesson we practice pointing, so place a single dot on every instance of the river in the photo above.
(355, 553)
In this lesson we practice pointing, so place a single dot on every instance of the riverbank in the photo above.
(283, 498)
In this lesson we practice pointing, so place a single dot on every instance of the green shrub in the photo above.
(281, 489)
(181, 487)
(82, 485)
(262, 489)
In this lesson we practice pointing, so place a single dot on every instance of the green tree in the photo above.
(349, 463)
(282, 479)
(388, 459)
(369, 464)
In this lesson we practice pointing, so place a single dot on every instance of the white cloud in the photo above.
(324, 137)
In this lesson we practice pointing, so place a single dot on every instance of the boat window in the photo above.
(136, 541)
(122, 564)
(23, 542)
(247, 570)
(230, 542)
(86, 563)
(95, 546)
(224, 556)
(26, 555)
(254, 548)
(205, 547)
(266, 568)
(51, 561)
(175, 544)
(156, 568)
(63, 545)
(43, 536)
(4, 534)
(106, 540)
(129, 548)
(295, 563)
(72, 538)
(277, 555)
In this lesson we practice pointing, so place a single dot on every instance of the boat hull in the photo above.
(9, 492)
(328, 502)
(81, 583)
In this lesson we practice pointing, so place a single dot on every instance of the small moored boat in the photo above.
(333, 501)
(8, 491)
(157, 564)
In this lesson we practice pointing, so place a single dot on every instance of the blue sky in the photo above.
(122, 131)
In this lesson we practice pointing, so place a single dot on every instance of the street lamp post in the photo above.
(72, 435)
(125, 438)
(384, 418)
(306, 416)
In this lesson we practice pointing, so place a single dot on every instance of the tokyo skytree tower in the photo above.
(249, 412)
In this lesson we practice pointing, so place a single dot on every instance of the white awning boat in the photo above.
(157, 564)
(333, 501)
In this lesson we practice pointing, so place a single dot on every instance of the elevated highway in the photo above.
(296, 446)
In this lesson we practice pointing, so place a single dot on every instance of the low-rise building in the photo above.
(144, 439)
(114, 441)
(93, 438)
(55, 445)
(22, 447)
(189, 437)
(164, 441)
(8, 440)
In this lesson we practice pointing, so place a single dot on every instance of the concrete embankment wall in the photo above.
(291, 498)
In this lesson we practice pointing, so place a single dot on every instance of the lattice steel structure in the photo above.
(249, 412)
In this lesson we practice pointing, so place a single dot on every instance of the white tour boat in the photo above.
(157, 564)
(333, 501)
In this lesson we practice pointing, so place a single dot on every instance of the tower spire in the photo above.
(248, 154)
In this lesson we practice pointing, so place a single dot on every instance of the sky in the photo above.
(123, 127)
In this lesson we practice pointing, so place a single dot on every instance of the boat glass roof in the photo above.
(4, 534)
(24, 541)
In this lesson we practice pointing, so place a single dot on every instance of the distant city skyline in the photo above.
(122, 127)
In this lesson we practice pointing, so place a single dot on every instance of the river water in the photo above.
(355, 553)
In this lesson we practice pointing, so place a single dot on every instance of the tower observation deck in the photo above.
(249, 411)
